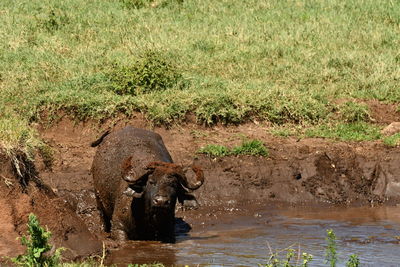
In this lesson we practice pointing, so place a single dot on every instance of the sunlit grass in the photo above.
(281, 61)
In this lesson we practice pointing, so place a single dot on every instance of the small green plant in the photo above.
(393, 140)
(151, 71)
(331, 254)
(37, 246)
(214, 151)
(251, 147)
(275, 261)
(353, 261)
(47, 154)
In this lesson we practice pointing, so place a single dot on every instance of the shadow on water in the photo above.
(141, 252)
(242, 237)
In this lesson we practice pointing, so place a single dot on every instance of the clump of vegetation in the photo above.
(137, 4)
(251, 147)
(275, 261)
(54, 20)
(354, 112)
(353, 261)
(37, 247)
(214, 151)
(248, 147)
(148, 265)
(303, 259)
(47, 154)
(16, 136)
(357, 131)
(151, 71)
(219, 106)
(393, 140)
(331, 252)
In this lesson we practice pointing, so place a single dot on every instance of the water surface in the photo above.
(245, 236)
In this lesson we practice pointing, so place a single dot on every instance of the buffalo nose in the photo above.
(161, 201)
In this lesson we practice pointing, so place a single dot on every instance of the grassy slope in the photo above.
(282, 61)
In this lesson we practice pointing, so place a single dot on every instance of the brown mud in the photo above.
(298, 172)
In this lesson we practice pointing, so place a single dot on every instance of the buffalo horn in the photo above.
(199, 179)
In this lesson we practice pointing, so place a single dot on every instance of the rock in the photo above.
(391, 129)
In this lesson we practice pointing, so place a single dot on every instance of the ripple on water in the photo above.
(246, 240)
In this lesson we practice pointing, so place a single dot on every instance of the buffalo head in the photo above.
(155, 189)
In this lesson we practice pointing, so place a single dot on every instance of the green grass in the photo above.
(359, 131)
(393, 140)
(223, 61)
(214, 151)
(351, 112)
(251, 147)
(17, 136)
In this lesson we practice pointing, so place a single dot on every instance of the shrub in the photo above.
(151, 71)
(36, 247)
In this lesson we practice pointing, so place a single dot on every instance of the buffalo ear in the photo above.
(134, 171)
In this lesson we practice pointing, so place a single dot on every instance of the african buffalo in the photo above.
(137, 185)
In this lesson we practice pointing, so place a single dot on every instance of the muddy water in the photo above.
(244, 236)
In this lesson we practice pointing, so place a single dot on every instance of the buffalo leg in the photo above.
(103, 215)
(122, 224)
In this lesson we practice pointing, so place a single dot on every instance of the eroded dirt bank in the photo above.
(297, 172)
(21, 193)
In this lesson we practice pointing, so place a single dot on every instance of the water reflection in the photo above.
(352, 215)
(243, 238)
(141, 252)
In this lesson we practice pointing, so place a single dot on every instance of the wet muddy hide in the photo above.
(137, 185)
